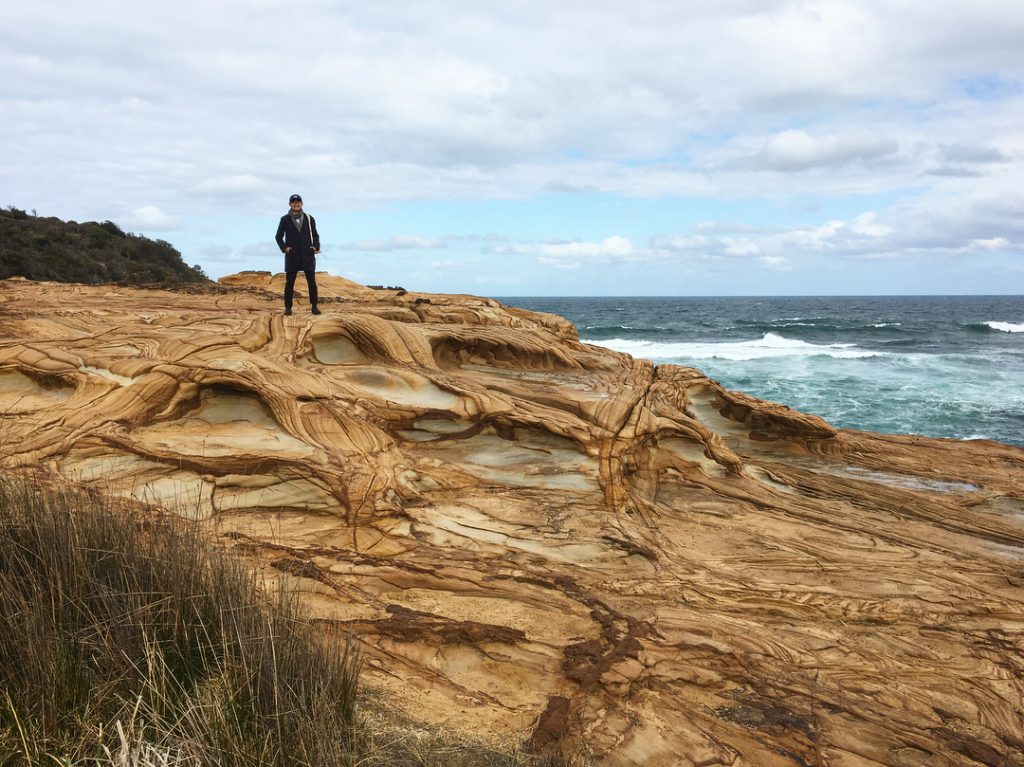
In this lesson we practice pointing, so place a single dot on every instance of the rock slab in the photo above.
(541, 538)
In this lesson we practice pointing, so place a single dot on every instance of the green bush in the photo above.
(50, 249)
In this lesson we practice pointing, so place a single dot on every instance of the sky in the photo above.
(529, 148)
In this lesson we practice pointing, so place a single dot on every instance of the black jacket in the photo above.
(302, 242)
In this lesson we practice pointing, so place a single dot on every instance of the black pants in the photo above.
(289, 287)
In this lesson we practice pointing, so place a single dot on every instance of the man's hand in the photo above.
(288, 250)
(316, 250)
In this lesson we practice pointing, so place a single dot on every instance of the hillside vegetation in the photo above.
(41, 248)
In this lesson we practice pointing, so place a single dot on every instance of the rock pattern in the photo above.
(538, 537)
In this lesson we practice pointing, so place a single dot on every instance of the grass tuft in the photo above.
(126, 636)
(126, 640)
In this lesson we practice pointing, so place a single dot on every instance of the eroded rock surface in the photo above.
(536, 536)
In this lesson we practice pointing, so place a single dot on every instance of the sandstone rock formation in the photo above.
(539, 537)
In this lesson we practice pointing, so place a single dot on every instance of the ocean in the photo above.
(942, 366)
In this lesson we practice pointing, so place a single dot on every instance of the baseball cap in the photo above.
(295, 198)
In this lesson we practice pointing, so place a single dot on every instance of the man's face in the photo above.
(296, 206)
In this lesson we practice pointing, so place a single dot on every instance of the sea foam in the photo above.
(769, 345)
(1007, 327)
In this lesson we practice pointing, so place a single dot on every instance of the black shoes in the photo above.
(287, 312)
(315, 309)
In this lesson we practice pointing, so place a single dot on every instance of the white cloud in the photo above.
(953, 171)
(735, 247)
(570, 255)
(728, 227)
(973, 154)
(260, 250)
(867, 224)
(232, 184)
(612, 247)
(560, 185)
(437, 101)
(992, 243)
(151, 218)
(776, 262)
(911, 229)
(395, 242)
(796, 150)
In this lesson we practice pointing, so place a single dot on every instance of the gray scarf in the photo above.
(297, 219)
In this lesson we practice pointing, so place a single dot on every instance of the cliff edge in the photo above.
(533, 535)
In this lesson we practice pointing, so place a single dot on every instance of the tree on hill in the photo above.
(65, 251)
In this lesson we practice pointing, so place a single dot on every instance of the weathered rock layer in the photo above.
(536, 536)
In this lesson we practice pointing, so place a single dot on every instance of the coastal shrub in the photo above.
(46, 248)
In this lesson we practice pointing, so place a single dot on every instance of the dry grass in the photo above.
(119, 619)
(126, 640)
(387, 738)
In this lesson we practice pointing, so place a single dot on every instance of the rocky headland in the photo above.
(539, 538)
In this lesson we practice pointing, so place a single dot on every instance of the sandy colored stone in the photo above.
(539, 537)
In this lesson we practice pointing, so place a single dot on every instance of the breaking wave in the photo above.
(1006, 327)
(769, 345)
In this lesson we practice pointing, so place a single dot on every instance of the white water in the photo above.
(769, 345)
(1007, 327)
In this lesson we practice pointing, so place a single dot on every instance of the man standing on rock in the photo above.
(299, 241)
